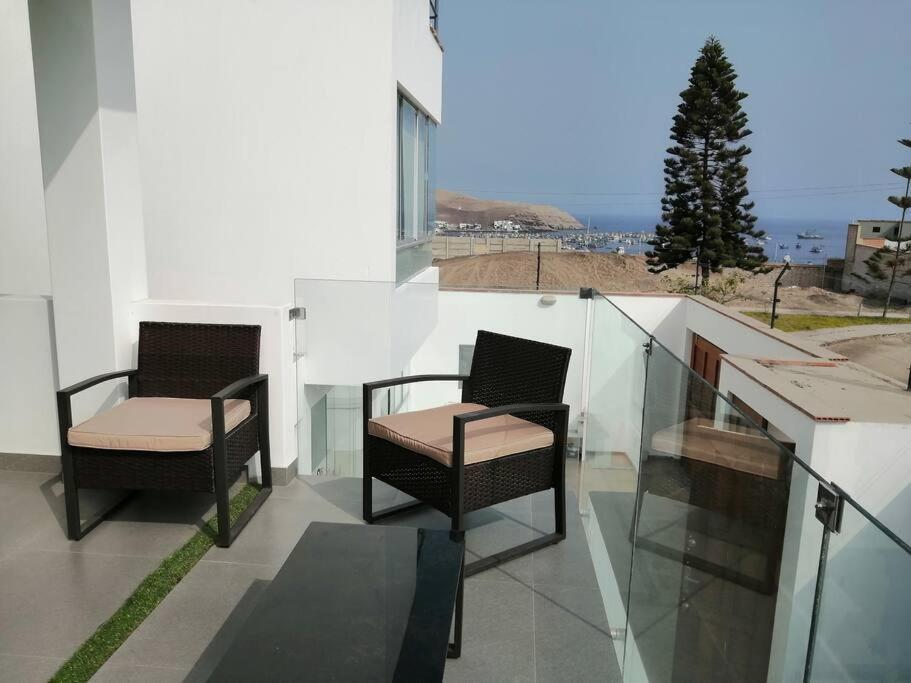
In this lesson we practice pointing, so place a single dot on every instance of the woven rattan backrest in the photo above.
(194, 360)
(508, 370)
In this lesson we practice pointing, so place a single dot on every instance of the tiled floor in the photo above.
(538, 618)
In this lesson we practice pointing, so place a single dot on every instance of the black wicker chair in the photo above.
(510, 376)
(179, 360)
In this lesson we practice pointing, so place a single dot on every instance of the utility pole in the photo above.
(775, 299)
(538, 276)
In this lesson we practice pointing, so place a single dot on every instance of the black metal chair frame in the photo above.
(454, 481)
(143, 470)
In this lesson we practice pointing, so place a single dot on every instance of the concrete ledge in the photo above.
(23, 462)
(26, 462)
(282, 476)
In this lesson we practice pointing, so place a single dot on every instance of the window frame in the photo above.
(422, 177)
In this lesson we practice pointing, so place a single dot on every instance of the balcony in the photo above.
(706, 538)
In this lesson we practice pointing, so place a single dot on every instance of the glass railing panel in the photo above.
(411, 259)
(864, 622)
(710, 533)
(349, 332)
(608, 473)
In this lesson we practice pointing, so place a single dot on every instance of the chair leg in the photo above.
(367, 494)
(71, 497)
(222, 512)
(262, 426)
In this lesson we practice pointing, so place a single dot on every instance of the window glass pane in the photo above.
(431, 188)
(420, 189)
(417, 184)
(407, 142)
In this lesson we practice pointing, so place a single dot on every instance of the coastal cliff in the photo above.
(456, 208)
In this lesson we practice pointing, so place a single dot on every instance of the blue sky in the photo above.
(576, 96)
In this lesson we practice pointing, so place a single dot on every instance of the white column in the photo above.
(83, 57)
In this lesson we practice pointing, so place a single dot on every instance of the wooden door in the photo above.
(705, 361)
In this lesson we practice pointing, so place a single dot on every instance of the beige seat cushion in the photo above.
(429, 432)
(156, 424)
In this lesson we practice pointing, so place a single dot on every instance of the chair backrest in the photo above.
(193, 360)
(508, 370)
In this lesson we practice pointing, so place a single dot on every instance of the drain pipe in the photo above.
(775, 299)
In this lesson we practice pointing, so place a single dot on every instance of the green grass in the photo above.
(111, 634)
(799, 322)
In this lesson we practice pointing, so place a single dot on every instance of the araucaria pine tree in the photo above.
(705, 211)
(893, 263)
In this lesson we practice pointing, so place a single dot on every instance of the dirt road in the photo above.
(889, 354)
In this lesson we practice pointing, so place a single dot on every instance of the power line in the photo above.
(872, 187)
(761, 198)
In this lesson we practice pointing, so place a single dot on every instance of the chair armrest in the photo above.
(237, 387)
(92, 381)
(261, 382)
(395, 381)
(369, 388)
(476, 415)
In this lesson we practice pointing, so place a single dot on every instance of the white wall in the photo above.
(28, 412)
(268, 140)
(24, 267)
(86, 115)
(417, 57)
(662, 316)
(462, 314)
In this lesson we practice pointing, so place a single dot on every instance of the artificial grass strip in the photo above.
(800, 322)
(103, 643)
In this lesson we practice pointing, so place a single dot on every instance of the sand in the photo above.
(628, 273)
(888, 354)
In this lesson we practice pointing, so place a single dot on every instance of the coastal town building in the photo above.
(865, 238)
(272, 164)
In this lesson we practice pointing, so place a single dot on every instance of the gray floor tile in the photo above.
(122, 673)
(52, 601)
(115, 537)
(498, 634)
(277, 527)
(60, 591)
(572, 639)
(22, 669)
(33, 504)
(184, 625)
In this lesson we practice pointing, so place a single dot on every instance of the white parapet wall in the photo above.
(522, 314)
(28, 375)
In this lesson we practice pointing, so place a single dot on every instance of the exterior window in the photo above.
(416, 186)
(875, 228)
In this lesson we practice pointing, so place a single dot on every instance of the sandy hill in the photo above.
(461, 208)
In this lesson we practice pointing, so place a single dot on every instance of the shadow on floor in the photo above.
(225, 636)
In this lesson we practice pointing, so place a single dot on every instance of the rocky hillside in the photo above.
(460, 208)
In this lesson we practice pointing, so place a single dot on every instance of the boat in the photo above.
(620, 250)
(782, 245)
(809, 235)
(797, 246)
(816, 250)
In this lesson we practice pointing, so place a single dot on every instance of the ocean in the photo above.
(779, 231)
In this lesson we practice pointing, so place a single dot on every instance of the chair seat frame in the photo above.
(211, 470)
(453, 490)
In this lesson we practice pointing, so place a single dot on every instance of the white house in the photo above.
(273, 163)
(197, 182)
